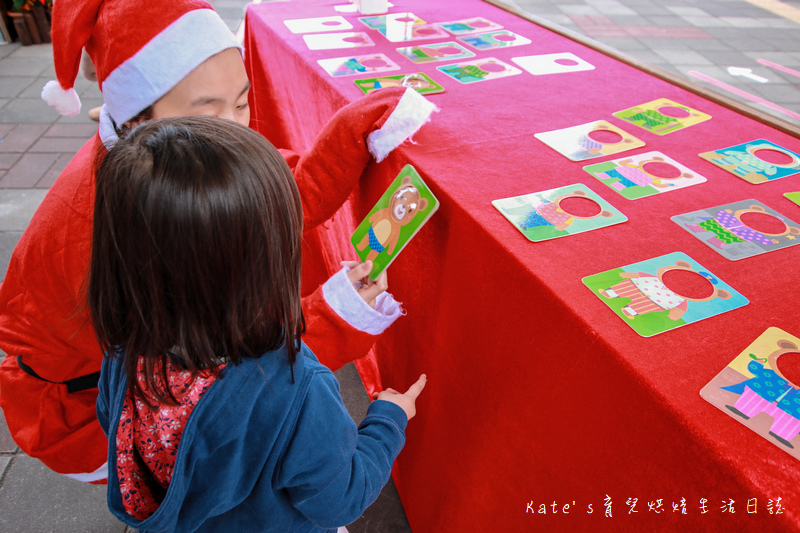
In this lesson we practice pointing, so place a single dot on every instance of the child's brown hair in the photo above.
(195, 250)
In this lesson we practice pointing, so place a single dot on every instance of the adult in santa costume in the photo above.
(157, 59)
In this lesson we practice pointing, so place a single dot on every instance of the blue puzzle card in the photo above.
(756, 161)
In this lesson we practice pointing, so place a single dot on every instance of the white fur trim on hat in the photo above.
(159, 65)
(412, 111)
(66, 102)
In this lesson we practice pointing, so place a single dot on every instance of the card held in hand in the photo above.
(399, 214)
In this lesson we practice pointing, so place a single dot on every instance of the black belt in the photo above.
(79, 384)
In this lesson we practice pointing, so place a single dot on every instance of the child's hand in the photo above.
(405, 401)
(359, 277)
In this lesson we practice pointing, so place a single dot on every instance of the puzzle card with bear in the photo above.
(558, 212)
(662, 116)
(479, 70)
(741, 229)
(418, 81)
(760, 388)
(467, 26)
(663, 293)
(643, 175)
(494, 39)
(398, 215)
(793, 197)
(590, 140)
(378, 22)
(354, 65)
(757, 161)
(333, 41)
(435, 52)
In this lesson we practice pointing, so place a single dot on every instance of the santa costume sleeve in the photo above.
(370, 127)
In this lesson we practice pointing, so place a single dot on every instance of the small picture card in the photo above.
(761, 389)
(663, 293)
(479, 70)
(378, 22)
(353, 8)
(351, 66)
(793, 197)
(757, 161)
(467, 26)
(399, 214)
(399, 27)
(662, 116)
(558, 212)
(419, 81)
(590, 140)
(642, 175)
(435, 52)
(552, 63)
(741, 229)
(318, 24)
(397, 32)
(331, 41)
(494, 39)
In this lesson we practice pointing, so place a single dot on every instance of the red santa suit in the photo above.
(48, 379)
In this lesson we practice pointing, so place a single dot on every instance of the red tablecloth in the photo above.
(537, 393)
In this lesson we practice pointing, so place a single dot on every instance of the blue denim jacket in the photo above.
(260, 453)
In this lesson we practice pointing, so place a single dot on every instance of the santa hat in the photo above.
(140, 50)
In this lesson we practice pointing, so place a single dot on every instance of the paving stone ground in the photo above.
(678, 36)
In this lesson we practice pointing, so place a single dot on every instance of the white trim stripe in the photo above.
(164, 61)
(97, 475)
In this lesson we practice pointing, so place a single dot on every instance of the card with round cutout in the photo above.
(332, 41)
(662, 116)
(355, 65)
(418, 81)
(467, 26)
(479, 70)
(494, 39)
(643, 175)
(318, 24)
(761, 389)
(435, 52)
(558, 212)
(590, 140)
(663, 293)
(552, 63)
(741, 229)
(756, 161)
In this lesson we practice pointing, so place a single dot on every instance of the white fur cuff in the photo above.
(343, 298)
(412, 111)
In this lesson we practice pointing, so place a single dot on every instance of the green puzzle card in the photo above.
(399, 214)
(662, 116)
(558, 212)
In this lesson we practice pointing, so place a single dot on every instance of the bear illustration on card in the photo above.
(632, 174)
(770, 391)
(729, 227)
(649, 294)
(550, 213)
(398, 215)
(386, 224)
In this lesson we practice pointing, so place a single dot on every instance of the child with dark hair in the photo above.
(218, 417)
(157, 60)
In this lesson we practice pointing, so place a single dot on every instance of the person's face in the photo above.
(217, 87)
